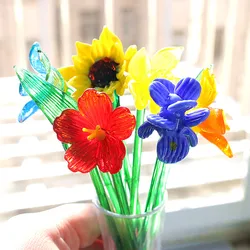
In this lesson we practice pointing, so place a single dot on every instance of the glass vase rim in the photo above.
(128, 216)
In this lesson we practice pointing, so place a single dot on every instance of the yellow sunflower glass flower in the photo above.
(142, 71)
(100, 65)
(215, 126)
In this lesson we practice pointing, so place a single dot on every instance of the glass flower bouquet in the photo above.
(82, 102)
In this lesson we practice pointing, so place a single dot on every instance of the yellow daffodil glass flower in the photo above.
(142, 71)
(100, 65)
(215, 126)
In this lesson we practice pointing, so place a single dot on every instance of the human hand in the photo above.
(68, 227)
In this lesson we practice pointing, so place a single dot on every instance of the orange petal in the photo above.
(220, 141)
(215, 123)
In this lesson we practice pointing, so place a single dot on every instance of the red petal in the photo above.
(121, 123)
(220, 141)
(96, 107)
(68, 126)
(81, 156)
(110, 154)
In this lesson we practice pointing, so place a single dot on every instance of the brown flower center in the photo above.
(103, 72)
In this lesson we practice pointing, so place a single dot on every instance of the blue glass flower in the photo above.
(173, 121)
(41, 65)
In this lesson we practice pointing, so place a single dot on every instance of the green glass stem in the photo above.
(100, 191)
(127, 174)
(153, 190)
(112, 193)
(134, 197)
(121, 192)
(162, 185)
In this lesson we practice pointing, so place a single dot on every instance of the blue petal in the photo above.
(190, 135)
(145, 130)
(171, 149)
(169, 85)
(35, 59)
(161, 122)
(196, 117)
(188, 89)
(181, 107)
(159, 93)
(22, 91)
(29, 109)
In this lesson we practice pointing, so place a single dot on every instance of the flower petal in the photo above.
(35, 59)
(81, 156)
(140, 93)
(67, 72)
(166, 59)
(161, 122)
(96, 106)
(215, 123)
(110, 154)
(68, 126)
(80, 82)
(171, 149)
(81, 66)
(83, 49)
(139, 66)
(159, 93)
(130, 52)
(98, 50)
(208, 89)
(196, 117)
(220, 141)
(28, 110)
(121, 123)
(168, 84)
(190, 135)
(181, 106)
(145, 130)
(188, 89)
(22, 91)
(108, 38)
(153, 107)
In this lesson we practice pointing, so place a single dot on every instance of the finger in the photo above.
(70, 226)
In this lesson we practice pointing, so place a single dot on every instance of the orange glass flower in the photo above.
(215, 126)
(95, 133)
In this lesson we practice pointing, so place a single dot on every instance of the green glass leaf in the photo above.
(55, 78)
(51, 100)
(198, 77)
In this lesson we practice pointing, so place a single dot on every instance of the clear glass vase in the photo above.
(131, 232)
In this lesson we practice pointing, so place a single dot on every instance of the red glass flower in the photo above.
(95, 133)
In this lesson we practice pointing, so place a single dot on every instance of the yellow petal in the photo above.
(139, 66)
(77, 94)
(83, 50)
(208, 89)
(98, 51)
(81, 67)
(153, 107)
(140, 93)
(108, 38)
(130, 52)
(166, 58)
(117, 54)
(67, 72)
(80, 82)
